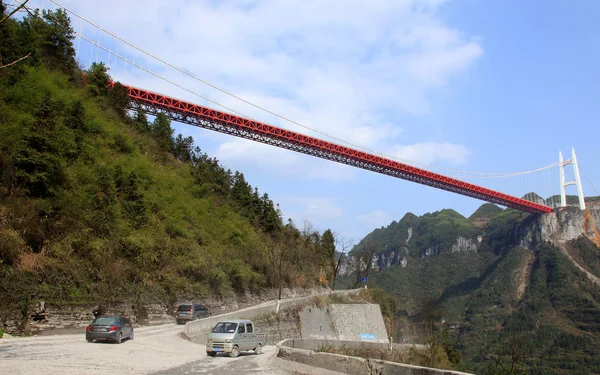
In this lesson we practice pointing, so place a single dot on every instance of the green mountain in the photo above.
(100, 205)
(485, 212)
(505, 289)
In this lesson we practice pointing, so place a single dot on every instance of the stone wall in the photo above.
(74, 318)
(316, 323)
(55, 319)
(344, 322)
(352, 320)
(279, 326)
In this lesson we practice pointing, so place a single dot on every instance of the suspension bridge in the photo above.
(244, 127)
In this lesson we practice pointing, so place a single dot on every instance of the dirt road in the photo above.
(158, 350)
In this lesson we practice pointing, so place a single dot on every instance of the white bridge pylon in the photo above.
(577, 181)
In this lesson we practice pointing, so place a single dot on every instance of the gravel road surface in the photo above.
(157, 350)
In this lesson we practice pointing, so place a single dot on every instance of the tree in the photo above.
(241, 192)
(55, 41)
(3, 9)
(281, 253)
(76, 118)
(430, 313)
(182, 148)
(3, 38)
(97, 79)
(118, 99)
(162, 131)
(141, 121)
(364, 257)
(270, 217)
(345, 244)
(327, 247)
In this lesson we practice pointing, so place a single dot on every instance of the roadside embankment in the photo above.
(305, 351)
(202, 326)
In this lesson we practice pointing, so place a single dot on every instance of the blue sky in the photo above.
(473, 85)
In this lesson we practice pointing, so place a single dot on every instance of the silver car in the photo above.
(191, 311)
(233, 337)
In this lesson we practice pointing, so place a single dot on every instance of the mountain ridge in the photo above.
(487, 281)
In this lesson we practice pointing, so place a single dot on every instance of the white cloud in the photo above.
(340, 67)
(376, 219)
(245, 153)
(318, 210)
(432, 152)
(323, 208)
(434, 67)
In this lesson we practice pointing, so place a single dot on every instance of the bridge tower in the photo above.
(577, 182)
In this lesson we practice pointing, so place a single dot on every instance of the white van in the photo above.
(234, 336)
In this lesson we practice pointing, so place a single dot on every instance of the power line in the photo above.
(489, 175)
(590, 181)
(470, 174)
(158, 75)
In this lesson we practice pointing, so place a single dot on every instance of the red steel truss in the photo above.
(207, 118)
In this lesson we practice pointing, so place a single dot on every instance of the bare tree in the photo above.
(281, 254)
(516, 350)
(345, 244)
(4, 19)
(16, 61)
(14, 11)
(364, 258)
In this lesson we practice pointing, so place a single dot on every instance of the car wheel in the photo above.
(131, 335)
(258, 349)
(120, 338)
(212, 354)
(234, 352)
(89, 340)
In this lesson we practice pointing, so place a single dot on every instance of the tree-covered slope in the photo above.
(435, 231)
(485, 211)
(504, 308)
(97, 204)
(552, 328)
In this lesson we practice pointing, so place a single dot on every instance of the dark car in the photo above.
(190, 311)
(109, 328)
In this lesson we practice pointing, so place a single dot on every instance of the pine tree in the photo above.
(163, 133)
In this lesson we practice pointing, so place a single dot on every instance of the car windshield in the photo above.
(105, 320)
(225, 327)
(184, 308)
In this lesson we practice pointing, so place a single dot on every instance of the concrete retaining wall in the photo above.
(203, 326)
(345, 322)
(317, 344)
(352, 320)
(334, 362)
(302, 351)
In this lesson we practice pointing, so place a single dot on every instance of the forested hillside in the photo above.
(489, 290)
(98, 204)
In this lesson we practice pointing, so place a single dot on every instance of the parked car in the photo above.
(109, 328)
(190, 311)
(233, 337)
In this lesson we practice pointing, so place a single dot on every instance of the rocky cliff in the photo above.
(495, 280)
(527, 231)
